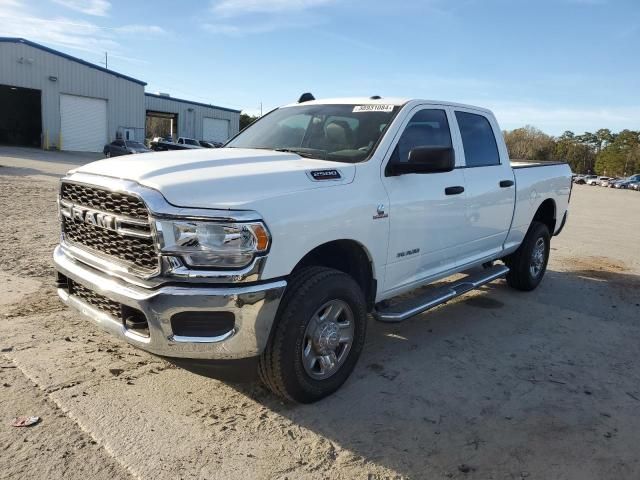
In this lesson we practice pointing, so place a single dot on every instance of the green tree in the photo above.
(620, 157)
(246, 120)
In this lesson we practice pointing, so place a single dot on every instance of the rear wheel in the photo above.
(528, 264)
(318, 336)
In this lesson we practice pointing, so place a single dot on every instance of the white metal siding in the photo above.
(83, 123)
(22, 65)
(191, 115)
(215, 129)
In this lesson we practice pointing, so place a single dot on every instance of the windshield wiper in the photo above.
(303, 152)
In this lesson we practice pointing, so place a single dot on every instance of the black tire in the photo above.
(281, 366)
(522, 273)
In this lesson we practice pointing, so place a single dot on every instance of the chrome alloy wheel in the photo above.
(328, 339)
(537, 258)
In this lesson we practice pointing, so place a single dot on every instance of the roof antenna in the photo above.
(306, 97)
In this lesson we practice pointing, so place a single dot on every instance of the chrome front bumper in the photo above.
(254, 308)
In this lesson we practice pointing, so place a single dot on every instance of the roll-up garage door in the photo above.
(83, 123)
(215, 129)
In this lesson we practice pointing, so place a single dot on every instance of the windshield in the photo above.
(190, 141)
(135, 145)
(342, 133)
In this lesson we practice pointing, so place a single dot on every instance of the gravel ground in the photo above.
(498, 384)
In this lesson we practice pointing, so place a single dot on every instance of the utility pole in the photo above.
(260, 108)
(106, 60)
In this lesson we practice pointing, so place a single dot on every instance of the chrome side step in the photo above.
(408, 308)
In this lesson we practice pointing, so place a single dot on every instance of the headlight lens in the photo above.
(212, 244)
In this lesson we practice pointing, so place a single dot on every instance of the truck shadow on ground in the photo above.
(494, 382)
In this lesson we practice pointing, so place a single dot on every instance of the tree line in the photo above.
(600, 153)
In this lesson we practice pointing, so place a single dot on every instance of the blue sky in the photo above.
(557, 65)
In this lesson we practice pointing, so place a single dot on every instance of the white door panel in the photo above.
(423, 217)
(489, 206)
(489, 211)
(83, 123)
(215, 129)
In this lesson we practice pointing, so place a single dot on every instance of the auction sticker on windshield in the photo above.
(373, 108)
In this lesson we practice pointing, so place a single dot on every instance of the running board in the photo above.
(414, 306)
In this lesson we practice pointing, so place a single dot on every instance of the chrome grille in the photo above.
(101, 302)
(105, 200)
(127, 241)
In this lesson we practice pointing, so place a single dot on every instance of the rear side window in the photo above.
(427, 128)
(478, 140)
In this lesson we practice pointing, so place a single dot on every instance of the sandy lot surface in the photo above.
(499, 384)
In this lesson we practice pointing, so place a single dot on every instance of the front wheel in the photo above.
(318, 337)
(528, 264)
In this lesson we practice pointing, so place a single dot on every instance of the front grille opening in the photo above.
(101, 302)
(202, 324)
(130, 243)
(134, 250)
(134, 320)
(105, 200)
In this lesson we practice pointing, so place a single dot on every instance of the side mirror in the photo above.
(430, 159)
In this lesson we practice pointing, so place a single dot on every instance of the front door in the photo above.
(427, 211)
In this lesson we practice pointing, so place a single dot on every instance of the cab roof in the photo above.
(396, 101)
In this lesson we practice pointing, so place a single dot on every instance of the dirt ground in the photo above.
(496, 385)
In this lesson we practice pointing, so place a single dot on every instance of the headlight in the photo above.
(212, 244)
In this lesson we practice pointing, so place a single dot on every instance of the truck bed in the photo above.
(533, 163)
(536, 181)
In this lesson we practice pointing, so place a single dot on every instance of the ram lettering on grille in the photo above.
(108, 223)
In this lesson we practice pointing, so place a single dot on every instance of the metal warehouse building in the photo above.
(50, 99)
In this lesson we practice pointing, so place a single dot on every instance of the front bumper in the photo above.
(253, 306)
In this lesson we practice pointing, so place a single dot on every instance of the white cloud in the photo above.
(141, 29)
(17, 19)
(98, 8)
(234, 8)
(239, 18)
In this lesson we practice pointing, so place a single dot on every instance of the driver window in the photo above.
(427, 128)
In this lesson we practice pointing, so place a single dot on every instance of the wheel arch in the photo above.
(348, 256)
(546, 214)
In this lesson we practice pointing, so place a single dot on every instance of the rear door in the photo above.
(489, 183)
(426, 222)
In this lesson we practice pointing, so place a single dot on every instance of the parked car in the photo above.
(596, 180)
(621, 184)
(608, 182)
(206, 144)
(584, 179)
(634, 185)
(281, 244)
(188, 142)
(160, 144)
(124, 147)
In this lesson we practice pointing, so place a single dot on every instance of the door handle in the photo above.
(453, 190)
(506, 183)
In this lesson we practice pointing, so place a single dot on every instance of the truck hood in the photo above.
(222, 177)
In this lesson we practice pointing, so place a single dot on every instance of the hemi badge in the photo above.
(319, 175)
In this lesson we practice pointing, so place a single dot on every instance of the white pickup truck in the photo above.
(279, 245)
